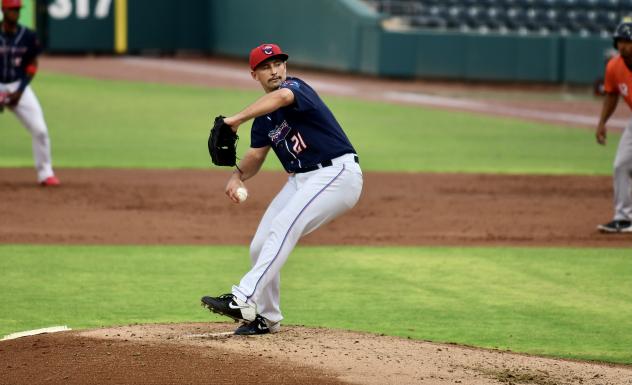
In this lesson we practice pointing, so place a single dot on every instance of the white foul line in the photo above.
(440, 101)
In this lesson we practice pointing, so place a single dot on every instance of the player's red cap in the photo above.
(264, 52)
(11, 3)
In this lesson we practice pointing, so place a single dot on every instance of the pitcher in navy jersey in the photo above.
(19, 48)
(325, 180)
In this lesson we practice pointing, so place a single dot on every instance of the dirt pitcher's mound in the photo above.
(208, 354)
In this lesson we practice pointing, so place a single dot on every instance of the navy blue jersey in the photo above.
(302, 134)
(16, 52)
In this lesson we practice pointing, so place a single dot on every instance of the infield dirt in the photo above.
(181, 207)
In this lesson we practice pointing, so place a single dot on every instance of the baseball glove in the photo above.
(222, 143)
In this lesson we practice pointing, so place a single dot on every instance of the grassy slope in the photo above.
(571, 303)
(97, 123)
(565, 302)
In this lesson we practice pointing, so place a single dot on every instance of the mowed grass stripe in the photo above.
(574, 303)
(104, 123)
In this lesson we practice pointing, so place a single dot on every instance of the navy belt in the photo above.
(326, 163)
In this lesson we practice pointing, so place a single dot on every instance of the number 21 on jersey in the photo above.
(298, 145)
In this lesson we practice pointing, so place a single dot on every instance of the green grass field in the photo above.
(557, 302)
(563, 302)
(97, 123)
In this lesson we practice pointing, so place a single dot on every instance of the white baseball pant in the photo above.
(622, 179)
(306, 202)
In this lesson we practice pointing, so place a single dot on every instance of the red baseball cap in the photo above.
(264, 52)
(11, 3)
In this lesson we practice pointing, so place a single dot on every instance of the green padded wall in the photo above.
(340, 35)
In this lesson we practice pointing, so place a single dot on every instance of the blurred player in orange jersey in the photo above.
(618, 83)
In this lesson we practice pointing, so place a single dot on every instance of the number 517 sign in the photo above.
(98, 26)
(83, 9)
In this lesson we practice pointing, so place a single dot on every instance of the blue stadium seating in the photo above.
(565, 17)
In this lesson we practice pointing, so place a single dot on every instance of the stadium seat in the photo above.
(610, 5)
(428, 22)
(625, 6)
(437, 11)
(565, 17)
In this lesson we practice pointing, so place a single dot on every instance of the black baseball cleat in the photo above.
(616, 226)
(258, 326)
(230, 306)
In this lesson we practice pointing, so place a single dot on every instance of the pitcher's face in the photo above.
(270, 74)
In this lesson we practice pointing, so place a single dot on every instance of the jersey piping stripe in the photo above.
(291, 153)
(17, 39)
(290, 228)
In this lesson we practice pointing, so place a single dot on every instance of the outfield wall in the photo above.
(341, 35)
(323, 33)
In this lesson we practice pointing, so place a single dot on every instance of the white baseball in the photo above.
(242, 194)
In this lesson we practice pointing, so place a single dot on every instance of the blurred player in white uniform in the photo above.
(19, 48)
